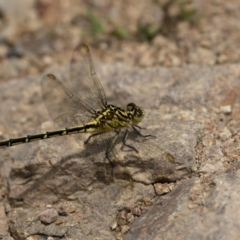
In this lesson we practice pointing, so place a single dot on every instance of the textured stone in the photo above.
(180, 215)
(183, 106)
(48, 216)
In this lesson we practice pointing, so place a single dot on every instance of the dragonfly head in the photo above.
(136, 112)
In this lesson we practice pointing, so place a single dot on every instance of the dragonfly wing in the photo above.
(83, 78)
(64, 107)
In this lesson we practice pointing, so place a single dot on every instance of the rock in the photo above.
(48, 216)
(181, 107)
(163, 188)
(25, 223)
(3, 222)
(179, 215)
(226, 109)
(163, 212)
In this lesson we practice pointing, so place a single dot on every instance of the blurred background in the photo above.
(36, 34)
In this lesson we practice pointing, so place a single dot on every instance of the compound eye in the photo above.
(138, 112)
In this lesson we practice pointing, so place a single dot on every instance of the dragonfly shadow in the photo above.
(71, 174)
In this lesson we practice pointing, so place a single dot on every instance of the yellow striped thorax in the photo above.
(113, 118)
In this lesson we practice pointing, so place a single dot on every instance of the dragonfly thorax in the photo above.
(113, 117)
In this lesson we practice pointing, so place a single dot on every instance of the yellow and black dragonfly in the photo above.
(81, 107)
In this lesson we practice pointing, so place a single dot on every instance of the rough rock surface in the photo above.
(194, 210)
(194, 114)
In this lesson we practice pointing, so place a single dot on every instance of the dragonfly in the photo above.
(80, 106)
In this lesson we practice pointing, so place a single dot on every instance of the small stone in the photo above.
(147, 201)
(125, 229)
(130, 218)
(225, 134)
(36, 237)
(192, 205)
(227, 109)
(122, 217)
(161, 188)
(113, 225)
(208, 140)
(171, 186)
(137, 211)
(47, 60)
(62, 213)
(69, 209)
(50, 238)
(119, 236)
(48, 216)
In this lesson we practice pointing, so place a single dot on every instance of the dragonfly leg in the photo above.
(92, 135)
(139, 127)
(125, 139)
(111, 146)
(140, 134)
(108, 151)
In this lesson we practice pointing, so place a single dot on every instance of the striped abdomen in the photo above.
(88, 128)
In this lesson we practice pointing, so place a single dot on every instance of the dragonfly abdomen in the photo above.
(88, 128)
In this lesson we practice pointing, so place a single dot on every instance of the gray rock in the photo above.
(193, 211)
(48, 216)
(182, 107)
(3, 221)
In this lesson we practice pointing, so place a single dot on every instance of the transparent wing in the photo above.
(65, 108)
(84, 82)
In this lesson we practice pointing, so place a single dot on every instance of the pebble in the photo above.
(136, 211)
(113, 225)
(122, 217)
(225, 134)
(125, 229)
(208, 140)
(226, 109)
(162, 188)
(48, 216)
